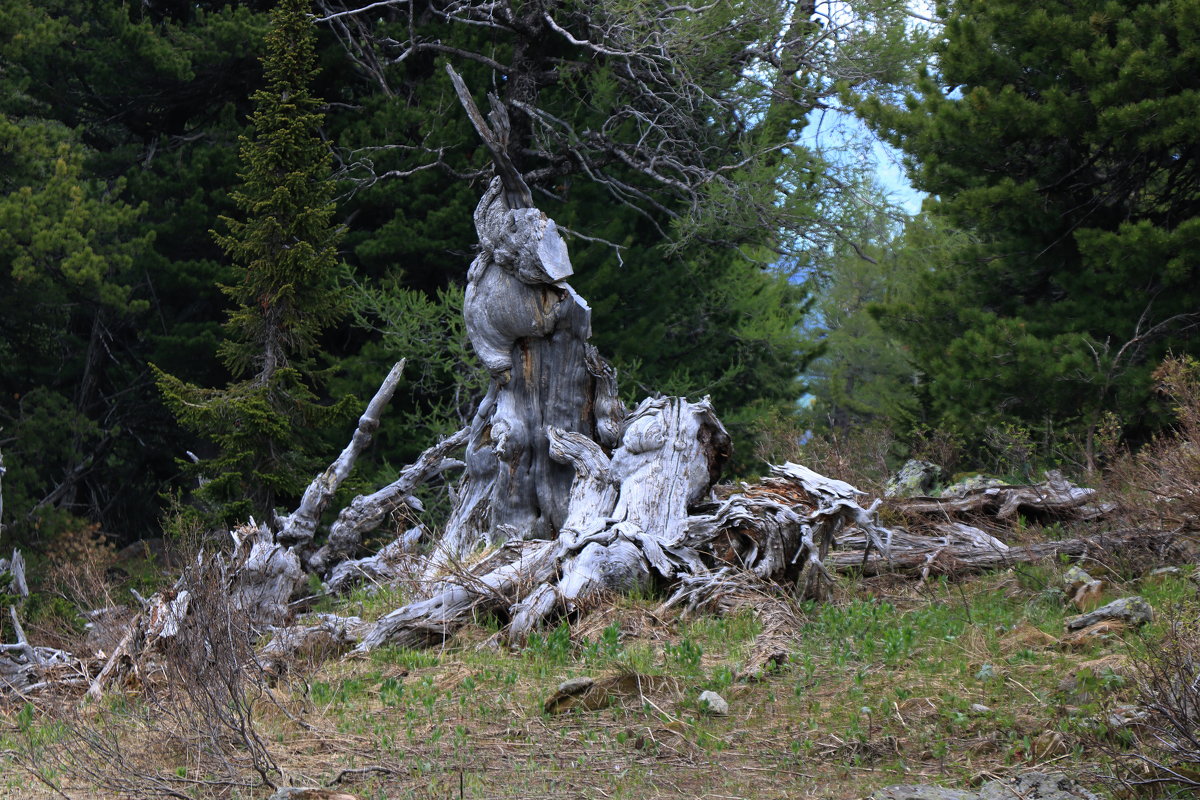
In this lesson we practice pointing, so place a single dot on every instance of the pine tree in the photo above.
(1065, 138)
(285, 244)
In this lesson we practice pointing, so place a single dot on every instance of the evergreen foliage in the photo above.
(1065, 137)
(285, 245)
(68, 243)
(119, 120)
(147, 102)
(862, 376)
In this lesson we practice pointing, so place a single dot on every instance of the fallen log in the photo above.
(367, 512)
(1055, 497)
(329, 637)
(394, 561)
(628, 526)
(925, 555)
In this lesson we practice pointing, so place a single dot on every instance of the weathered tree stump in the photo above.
(530, 329)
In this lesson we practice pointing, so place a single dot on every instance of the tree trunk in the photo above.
(298, 527)
(530, 329)
(624, 519)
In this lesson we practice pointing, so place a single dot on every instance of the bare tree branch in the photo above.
(300, 526)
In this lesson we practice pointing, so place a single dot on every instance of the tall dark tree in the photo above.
(138, 109)
(1066, 137)
(69, 301)
(284, 242)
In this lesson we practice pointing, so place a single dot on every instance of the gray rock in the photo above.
(716, 704)
(979, 708)
(1030, 786)
(970, 484)
(1124, 716)
(575, 685)
(921, 792)
(915, 479)
(1036, 786)
(1165, 571)
(1074, 578)
(1132, 611)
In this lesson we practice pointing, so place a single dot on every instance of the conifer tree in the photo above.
(1064, 137)
(285, 245)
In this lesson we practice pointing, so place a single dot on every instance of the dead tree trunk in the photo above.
(298, 527)
(624, 521)
(530, 329)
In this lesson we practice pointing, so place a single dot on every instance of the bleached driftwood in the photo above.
(1054, 497)
(15, 567)
(330, 636)
(261, 574)
(530, 329)
(160, 618)
(923, 555)
(391, 563)
(493, 583)
(628, 525)
(781, 531)
(25, 668)
(367, 512)
(298, 527)
(623, 517)
(628, 516)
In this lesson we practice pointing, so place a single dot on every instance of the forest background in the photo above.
(1016, 322)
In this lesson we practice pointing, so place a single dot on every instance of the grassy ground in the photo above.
(949, 682)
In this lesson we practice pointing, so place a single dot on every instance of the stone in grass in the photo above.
(1036, 786)
(1074, 578)
(1030, 786)
(971, 483)
(922, 792)
(915, 479)
(713, 703)
(1133, 611)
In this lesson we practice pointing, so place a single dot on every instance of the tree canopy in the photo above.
(724, 250)
(1064, 138)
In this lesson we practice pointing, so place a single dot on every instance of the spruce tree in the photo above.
(284, 242)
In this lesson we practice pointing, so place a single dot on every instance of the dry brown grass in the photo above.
(1159, 486)
(399, 724)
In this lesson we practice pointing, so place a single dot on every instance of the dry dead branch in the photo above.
(1054, 498)
(299, 526)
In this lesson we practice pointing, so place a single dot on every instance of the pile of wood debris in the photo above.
(761, 546)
